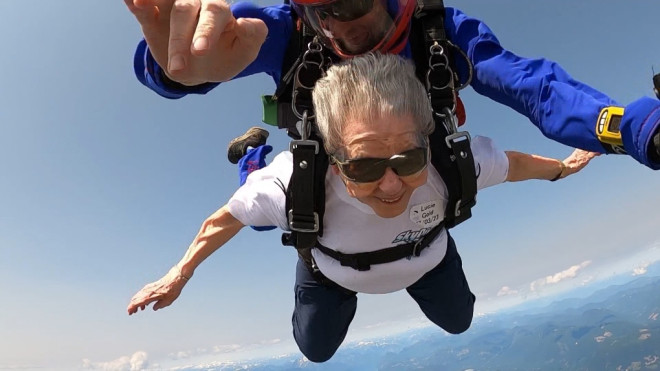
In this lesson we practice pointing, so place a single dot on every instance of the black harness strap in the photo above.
(363, 261)
(301, 214)
(306, 192)
(451, 154)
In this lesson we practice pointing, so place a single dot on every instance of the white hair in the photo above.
(366, 88)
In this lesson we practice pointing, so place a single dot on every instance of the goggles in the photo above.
(367, 170)
(344, 10)
(389, 33)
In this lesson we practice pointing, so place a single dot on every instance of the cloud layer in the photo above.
(137, 361)
(554, 279)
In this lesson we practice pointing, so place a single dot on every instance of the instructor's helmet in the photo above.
(353, 27)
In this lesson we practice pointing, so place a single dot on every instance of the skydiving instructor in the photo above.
(190, 46)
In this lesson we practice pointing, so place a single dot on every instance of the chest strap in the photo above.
(362, 261)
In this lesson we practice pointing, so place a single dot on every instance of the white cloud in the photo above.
(182, 354)
(506, 290)
(569, 273)
(640, 269)
(138, 361)
(226, 348)
(223, 354)
(587, 280)
(271, 341)
(600, 339)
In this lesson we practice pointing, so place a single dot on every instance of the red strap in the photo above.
(460, 111)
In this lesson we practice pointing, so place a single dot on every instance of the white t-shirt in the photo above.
(350, 226)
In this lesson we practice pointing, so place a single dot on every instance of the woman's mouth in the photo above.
(390, 200)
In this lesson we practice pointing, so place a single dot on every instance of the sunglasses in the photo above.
(344, 10)
(367, 170)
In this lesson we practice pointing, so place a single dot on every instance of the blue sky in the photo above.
(103, 185)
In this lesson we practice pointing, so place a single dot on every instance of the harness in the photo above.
(305, 62)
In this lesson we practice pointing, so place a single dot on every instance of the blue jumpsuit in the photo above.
(564, 109)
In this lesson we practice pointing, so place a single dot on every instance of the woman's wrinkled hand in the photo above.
(163, 292)
(577, 160)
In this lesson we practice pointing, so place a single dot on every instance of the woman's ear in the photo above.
(335, 169)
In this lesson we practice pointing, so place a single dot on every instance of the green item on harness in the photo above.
(270, 110)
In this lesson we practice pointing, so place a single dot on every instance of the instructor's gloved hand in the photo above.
(254, 159)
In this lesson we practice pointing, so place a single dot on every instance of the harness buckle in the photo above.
(457, 209)
(453, 138)
(304, 142)
(416, 248)
(355, 263)
(305, 225)
(304, 128)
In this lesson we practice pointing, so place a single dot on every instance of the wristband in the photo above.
(181, 274)
(563, 167)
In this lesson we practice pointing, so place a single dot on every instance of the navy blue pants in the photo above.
(323, 312)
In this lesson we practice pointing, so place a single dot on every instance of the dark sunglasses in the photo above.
(344, 10)
(367, 170)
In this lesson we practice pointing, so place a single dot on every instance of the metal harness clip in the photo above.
(303, 225)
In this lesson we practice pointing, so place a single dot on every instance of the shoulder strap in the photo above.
(451, 154)
(305, 198)
(306, 192)
(292, 57)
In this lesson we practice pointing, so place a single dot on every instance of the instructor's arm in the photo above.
(216, 230)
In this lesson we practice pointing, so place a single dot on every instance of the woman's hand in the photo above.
(216, 230)
(163, 292)
(577, 161)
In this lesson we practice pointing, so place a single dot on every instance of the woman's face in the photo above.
(383, 138)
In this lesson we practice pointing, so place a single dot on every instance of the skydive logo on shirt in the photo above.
(411, 236)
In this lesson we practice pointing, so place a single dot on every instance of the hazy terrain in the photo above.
(614, 328)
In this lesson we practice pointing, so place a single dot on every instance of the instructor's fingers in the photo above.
(144, 11)
(214, 16)
(183, 19)
(251, 30)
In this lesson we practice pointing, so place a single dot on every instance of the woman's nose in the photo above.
(390, 183)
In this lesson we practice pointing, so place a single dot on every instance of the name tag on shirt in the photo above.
(427, 214)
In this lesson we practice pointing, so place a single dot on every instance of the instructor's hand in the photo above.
(163, 292)
(198, 41)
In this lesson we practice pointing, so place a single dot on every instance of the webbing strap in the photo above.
(364, 260)
(462, 155)
(433, 11)
(451, 154)
(302, 217)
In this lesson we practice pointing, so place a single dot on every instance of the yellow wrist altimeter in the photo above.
(608, 128)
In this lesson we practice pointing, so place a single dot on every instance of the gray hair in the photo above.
(366, 88)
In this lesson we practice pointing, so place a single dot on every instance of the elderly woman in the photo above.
(379, 183)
